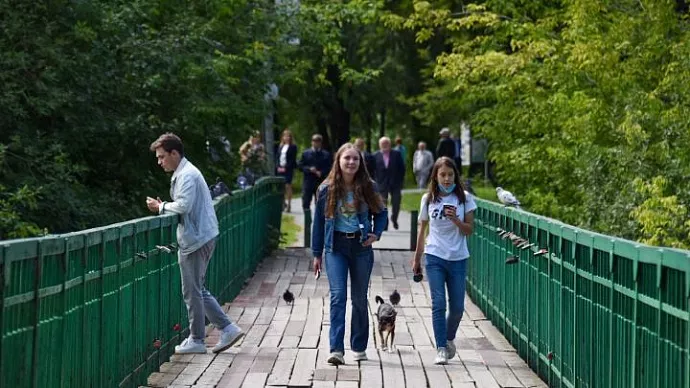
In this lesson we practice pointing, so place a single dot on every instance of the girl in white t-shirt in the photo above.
(449, 211)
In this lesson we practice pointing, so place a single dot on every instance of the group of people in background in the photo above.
(423, 159)
(387, 166)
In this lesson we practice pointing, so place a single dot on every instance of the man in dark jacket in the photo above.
(315, 164)
(390, 176)
(446, 146)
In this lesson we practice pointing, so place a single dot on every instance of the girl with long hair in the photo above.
(448, 210)
(349, 217)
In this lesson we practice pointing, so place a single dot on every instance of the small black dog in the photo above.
(386, 315)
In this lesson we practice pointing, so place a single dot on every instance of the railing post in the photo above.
(413, 229)
(307, 228)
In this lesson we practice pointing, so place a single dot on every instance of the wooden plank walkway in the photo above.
(287, 345)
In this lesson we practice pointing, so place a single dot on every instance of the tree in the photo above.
(581, 102)
(87, 86)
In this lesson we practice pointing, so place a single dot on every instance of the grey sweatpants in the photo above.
(199, 301)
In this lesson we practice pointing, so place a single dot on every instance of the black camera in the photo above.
(418, 277)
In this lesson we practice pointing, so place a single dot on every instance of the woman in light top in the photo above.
(287, 161)
(349, 216)
(448, 210)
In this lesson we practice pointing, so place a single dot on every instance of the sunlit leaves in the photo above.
(579, 99)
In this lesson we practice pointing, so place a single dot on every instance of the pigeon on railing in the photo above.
(507, 198)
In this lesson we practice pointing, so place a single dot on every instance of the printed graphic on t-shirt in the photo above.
(346, 220)
(438, 213)
(347, 207)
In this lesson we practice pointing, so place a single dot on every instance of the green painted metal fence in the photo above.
(593, 311)
(85, 309)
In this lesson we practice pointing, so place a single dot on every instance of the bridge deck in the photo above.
(288, 345)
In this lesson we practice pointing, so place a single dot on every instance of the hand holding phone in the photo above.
(449, 210)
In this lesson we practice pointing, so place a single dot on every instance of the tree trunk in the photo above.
(367, 130)
(322, 129)
(382, 129)
(338, 115)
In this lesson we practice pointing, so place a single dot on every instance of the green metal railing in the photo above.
(593, 311)
(86, 309)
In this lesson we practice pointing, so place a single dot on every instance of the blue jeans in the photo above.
(441, 274)
(349, 255)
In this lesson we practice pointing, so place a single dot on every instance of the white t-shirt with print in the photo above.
(445, 239)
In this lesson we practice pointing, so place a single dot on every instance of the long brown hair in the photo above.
(434, 191)
(363, 185)
(282, 135)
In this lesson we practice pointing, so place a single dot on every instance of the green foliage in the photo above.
(583, 103)
(360, 73)
(87, 87)
(663, 220)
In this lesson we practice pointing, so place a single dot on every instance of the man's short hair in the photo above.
(316, 137)
(169, 142)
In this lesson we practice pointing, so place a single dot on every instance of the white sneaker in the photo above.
(230, 335)
(450, 346)
(441, 357)
(190, 347)
(336, 358)
(360, 356)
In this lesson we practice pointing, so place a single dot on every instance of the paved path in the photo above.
(287, 346)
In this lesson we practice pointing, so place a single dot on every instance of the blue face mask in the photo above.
(447, 190)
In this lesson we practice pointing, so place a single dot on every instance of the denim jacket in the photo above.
(322, 227)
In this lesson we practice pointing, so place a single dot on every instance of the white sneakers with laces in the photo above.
(450, 347)
(336, 358)
(441, 357)
(228, 337)
(360, 356)
(188, 346)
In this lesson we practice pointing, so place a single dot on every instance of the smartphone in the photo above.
(317, 275)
